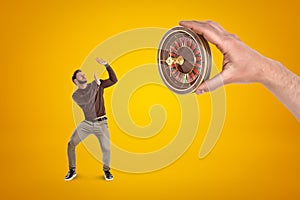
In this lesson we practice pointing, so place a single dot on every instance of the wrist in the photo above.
(271, 73)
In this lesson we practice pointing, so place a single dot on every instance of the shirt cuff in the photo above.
(98, 82)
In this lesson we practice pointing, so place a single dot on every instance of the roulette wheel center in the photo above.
(189, 59)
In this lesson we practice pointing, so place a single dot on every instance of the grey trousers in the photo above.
(84, 129)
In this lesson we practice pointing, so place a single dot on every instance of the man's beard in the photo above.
(82, 82)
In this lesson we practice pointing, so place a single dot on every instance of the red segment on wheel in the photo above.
(196, 71)
(181, 43)
(194, 47)
(198, 58)
(176, 44)
(174, 71)
(198, 65)
(192, 75)
(189, 42)
(172, 54)
(185, 41)
(197, 52)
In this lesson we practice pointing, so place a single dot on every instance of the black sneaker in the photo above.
(71, 175)
(108, 176)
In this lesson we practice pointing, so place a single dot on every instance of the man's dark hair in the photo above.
(74, 74)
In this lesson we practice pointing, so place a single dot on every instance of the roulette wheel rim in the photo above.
(184, 60)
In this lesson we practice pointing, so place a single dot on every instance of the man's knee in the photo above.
(71, 144)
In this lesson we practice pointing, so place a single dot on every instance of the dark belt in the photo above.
(99, 119)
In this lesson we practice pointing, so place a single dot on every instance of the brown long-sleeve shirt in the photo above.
(90, 99)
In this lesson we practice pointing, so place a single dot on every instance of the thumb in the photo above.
(211, 84)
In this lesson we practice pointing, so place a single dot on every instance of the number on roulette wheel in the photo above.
(184, 60)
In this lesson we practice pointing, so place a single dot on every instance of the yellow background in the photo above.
(43, 42)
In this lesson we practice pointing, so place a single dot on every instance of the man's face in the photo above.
(80, 77)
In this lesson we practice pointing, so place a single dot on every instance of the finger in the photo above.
(215, 25)
(205, 29)
(211, 31)
(211, 84)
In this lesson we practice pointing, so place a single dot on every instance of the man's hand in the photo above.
(101, 61)
(242, 64)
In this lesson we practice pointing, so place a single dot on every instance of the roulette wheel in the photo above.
(184, 60)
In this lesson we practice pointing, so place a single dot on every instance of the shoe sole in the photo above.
(71, 178)
(108, 179)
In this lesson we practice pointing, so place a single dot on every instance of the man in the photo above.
(89, 98)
